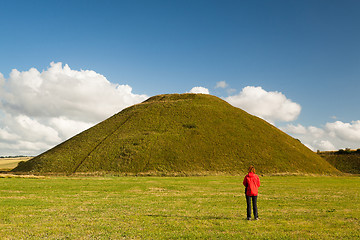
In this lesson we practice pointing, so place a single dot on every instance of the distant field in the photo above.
(291, 207)
(10, 163)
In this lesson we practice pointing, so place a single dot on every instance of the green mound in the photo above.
(186, 133)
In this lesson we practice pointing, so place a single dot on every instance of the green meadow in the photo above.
(211, 207)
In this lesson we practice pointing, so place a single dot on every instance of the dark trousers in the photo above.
(248, 208)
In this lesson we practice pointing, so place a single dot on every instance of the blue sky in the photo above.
(308, 51)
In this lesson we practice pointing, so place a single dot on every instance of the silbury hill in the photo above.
(180, 133)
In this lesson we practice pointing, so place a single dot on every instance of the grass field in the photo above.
(290, 207)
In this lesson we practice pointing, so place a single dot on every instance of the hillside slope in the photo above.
(180, 133)
(347, 162)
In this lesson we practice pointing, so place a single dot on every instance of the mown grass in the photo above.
(291, 207)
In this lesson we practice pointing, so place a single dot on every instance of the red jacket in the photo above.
(252, 183)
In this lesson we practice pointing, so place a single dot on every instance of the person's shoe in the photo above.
(249, 219)
(256, 218)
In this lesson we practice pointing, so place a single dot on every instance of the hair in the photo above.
(251, 169)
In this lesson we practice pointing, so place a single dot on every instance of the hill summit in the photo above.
(179, 133)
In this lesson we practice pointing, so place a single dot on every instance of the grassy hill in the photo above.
(344, 160)
(188, 133)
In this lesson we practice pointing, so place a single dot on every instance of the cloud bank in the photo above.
(38, 110)
(333, 136)
(41, 109)
(275, 107)
(271, 106)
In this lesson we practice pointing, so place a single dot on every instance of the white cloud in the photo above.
(4, 134)
(316, 132)
(298, 129)
(323, 145)
(41, 109)
(221, 84)
(67, 128)
(333, 136)
(271, 106)
(199, 90)
(33, 130)
(345, 131)
(83, 95)
(2, 80)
